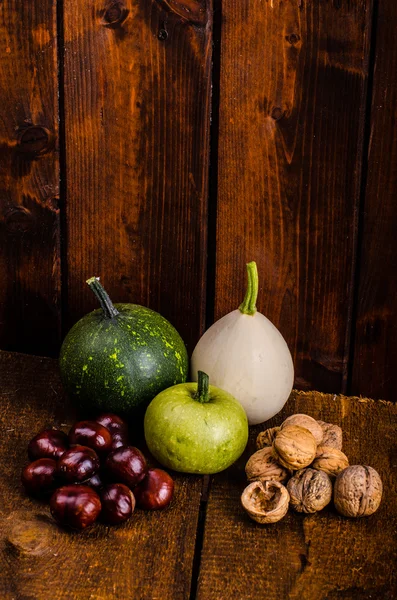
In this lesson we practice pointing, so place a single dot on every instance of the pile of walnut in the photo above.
(297, 464)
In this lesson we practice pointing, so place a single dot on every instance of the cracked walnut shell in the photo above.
(308, 423)
(309, 490)
(265, 438)
(330, 460)
(357, 491)
(294, 447)
(263, 466)
(332, 435)
(265, 502)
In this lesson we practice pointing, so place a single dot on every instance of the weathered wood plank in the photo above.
(148, 557)
(292, 100)
(375, 351)
(29, 178)
(319, 557)
(137, 93)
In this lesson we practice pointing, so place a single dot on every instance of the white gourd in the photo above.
(245, 354)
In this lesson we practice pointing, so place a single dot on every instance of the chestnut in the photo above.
(112, 422)
(38, 477)
(50, 443)
(118, 503)
(155, 491)
(117, 427)
(91, 434)
(76, 506)
(119, 439)
(126, 465)
(78, 464)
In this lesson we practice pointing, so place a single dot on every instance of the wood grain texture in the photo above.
(292, 99)
(29, 178)
(375, 351)
(137, 92)
(319, 557)
(150, 557)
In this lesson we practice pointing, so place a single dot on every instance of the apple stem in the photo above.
(202, 394)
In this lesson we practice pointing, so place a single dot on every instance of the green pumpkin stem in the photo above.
(248, 306)
(202, 394)
(104, 300)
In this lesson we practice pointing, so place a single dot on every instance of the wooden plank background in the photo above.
(303, 173)
(137, 91)
(290, 145)
(375, 348)
(30, 278)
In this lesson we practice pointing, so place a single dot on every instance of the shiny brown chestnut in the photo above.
(155, 491)
(119, 440)
(38, 478)
(50, 443)
(76, 506)
(118, 503)
(112, 422)
(126, 465)
(117, 427)
(78, 464)
(91, 434)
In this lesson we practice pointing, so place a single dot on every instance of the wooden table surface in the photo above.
(203, 546)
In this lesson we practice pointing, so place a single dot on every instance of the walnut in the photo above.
(357, 491)
(330, 460)
(309, 490)
(265, 502)
(332, 435)
(306, 422)
(265, 438)
(263, 466)
(294, 447)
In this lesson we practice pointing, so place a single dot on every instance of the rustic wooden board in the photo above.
(149, 558)
(292, 100)
(29, 177)
(375, 355)
(319, 557)
(137, 92)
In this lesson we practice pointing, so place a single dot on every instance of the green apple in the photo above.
(196, 428)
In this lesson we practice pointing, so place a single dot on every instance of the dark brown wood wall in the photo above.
(165, 197)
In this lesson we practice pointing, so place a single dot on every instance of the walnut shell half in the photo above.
(332, 435)
(309, 490)
(330, 460)
(265, 502)
(357, 491)
(265, 438)
(294, 447)
(308, 423)
(262, 465)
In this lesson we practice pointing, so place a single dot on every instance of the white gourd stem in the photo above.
(248, 306)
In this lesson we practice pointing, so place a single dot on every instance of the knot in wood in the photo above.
(277, 113)
(293, 38)
(18, 219)
(34, 140)
(114, 14)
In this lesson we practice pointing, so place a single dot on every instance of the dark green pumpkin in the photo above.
(119, 357)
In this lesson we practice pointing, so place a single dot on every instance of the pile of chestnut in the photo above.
(93, 472)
